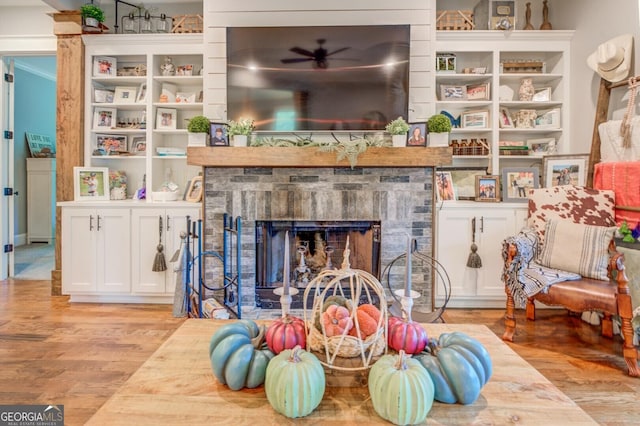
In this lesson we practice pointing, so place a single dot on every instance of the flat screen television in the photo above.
(318, 77)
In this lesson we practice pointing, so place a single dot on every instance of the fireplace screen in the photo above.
(314, 246)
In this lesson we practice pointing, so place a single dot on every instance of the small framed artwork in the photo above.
(185, 70)
(548, 119)
(194, 190)
(506, 122)
(488, 188)
(185, 97)
(445, 190)
(125, 95)
(478, 92)
(464, 180)
(105, 66)
(542, 146)
(186, 190)
(142, 93)
(475, 119)
(218, 132)
(446, 62)
(103, 96)
(105, 118)
(417, 133)
(111, 144)
(502, 15)
(138, 145)
(542, 95)
(453, 92)
(91, 183)
(166, 119)
(564, 169)
(517, 181)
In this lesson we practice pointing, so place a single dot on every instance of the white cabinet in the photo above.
(41, 198)
(150, 227)
(96, 250)
(475, 287)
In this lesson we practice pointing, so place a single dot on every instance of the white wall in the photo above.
(30, 20)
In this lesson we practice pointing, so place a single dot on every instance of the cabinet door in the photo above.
(113, 228)
(176, 224)
(493, 226)
(79, 250)
(145, 237)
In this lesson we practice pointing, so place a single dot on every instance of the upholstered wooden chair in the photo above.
(567, 258)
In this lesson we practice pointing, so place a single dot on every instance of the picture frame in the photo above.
(138, 145)
(219, 136)
(90, 183)
(185, 97)
(103, 96)
(502, 14)
(184, 70)
(464, 180)
(451, 92)
(445, 62)
(547, 119)
(506, 121)
(417, 135)
(186, 190)
(488, 188)
(563, 169)
(125, 94)
(142, 93)
(105, 118)
(194, 190)
(166, 119)
(517, 181)
(479, 92)
(541, 146)
(542, 95)
(105, 66)
(445, 190)
(477, 119)
(108, 144)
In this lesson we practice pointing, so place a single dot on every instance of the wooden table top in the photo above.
(176, 386)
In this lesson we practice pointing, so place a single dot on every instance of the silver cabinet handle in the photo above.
(90, 222)
(482, 224)
(99, 222)
(168, 222)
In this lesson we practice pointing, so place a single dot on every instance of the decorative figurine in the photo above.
(546, 25)
(168, 68)
(527, 16)
(526, 91)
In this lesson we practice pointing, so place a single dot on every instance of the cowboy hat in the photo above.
(612, 59)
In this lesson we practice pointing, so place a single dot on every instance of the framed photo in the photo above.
(105, 118)
(517, 181)
(125, 95)
(542, 95)
(488, 188)
(103, 96)
(194, 190)
(184, 70)
(475, 119)
(502, 15)
(186, 190)
(446, 62)
(464, 180)
(564, 169)
(138, 145)
(142, 93)
(111, 144)
(166, 119)
(547, 119)
(444, 185)
(450, 92)
(105, 66)
(185, 97)
(90, 183)
(417, 134)
(506, 121)
(218, 132)
(541, 146)
(478, 92)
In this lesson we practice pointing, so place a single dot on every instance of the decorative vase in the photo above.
(239, 140)
(197, 139)
(526, 91)
(91, 22)
(399, 140)
(438, 139)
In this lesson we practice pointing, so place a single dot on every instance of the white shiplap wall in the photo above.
(419, 14)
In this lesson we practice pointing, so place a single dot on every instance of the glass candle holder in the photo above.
(145, 23)
(163, 25)
(129, 23)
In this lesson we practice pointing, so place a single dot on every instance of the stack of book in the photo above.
(513, 148)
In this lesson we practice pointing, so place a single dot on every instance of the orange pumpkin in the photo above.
(336, 320)
(367, 316)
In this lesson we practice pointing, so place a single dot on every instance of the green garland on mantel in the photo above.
(349, 149)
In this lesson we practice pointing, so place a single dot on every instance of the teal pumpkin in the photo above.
(238, 354)
(401, 390)
(295, 382)
(459, 366)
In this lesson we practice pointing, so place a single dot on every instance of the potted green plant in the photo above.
(240, 130)
(92, 15)
(198, 128)
(398, 129)
(439, 127)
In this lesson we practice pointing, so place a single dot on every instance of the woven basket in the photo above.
(356, 286)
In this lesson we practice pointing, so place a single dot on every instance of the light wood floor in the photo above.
(52, 351)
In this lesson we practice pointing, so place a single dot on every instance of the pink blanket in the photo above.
(624, 179)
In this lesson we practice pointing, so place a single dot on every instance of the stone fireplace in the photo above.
(397, 199)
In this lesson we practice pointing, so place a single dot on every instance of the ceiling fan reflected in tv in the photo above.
(319, 56)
